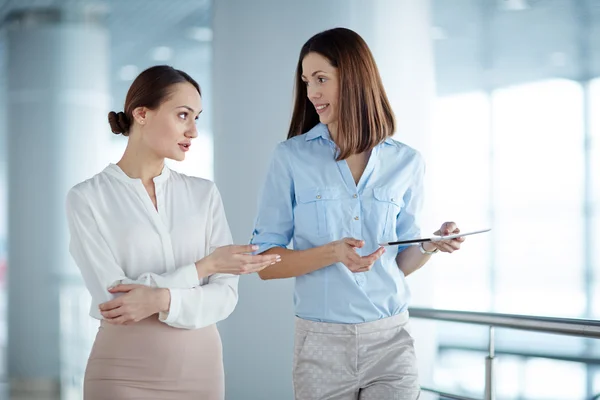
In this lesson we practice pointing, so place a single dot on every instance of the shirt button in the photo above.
(318, 196)
(356, 218)
(355, 195)
(392, 199)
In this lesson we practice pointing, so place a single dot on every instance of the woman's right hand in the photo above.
(345, 252)
(236, 260)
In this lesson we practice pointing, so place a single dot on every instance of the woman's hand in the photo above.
(235, 260)
(345, 252)
(137, 303)
(447, 246)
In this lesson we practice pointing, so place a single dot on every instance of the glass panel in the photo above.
(549, 379)
(459, 168)
(538, 191)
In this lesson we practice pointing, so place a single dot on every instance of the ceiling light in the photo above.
(128, 72)
(162, 53)
(512, 5)
(200, 33)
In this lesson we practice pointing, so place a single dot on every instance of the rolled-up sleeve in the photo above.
(408, 222)
(274, 224)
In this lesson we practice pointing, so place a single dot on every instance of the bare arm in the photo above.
(411, 259)
(300, 262)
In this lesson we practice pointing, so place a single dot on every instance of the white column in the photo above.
(256, 45)
(57, 104)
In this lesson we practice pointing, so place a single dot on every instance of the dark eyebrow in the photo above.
(190, 109)
(316, 72)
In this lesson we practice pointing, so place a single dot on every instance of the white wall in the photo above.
(256, 45)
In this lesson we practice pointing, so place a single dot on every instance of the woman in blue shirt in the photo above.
(338, 187)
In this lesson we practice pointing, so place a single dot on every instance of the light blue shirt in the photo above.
(312, 200)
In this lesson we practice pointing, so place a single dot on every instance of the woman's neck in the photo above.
(332, 128)
(139, 164)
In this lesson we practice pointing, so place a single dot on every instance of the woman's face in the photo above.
(322, 87)
(169, 129)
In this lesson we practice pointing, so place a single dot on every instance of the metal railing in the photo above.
(560, 326)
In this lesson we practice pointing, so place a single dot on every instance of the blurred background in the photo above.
(501, 96)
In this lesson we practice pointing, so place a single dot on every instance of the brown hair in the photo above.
(150, 89)
(365, 117)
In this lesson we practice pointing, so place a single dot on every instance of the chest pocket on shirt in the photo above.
(313, 209)
(388, 206)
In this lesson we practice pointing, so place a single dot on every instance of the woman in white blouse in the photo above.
(154, 249)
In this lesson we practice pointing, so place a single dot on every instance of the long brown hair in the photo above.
(150, 89)
(365, 117)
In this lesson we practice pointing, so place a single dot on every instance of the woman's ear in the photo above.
(139, 114)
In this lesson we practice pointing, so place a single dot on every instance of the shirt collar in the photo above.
(117, 172)
(320, 130)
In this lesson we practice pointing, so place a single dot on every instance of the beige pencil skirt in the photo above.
(151, 360)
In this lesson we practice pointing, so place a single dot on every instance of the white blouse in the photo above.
(117, 236)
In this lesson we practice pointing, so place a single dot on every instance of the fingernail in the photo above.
(254, 247)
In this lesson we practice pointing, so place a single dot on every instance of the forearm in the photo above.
(298, 262)
(411, 259)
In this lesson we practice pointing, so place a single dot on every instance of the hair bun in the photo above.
(119, 123)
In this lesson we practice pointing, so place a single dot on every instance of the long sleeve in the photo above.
(274, 224)
(96, 262)
(213, 302)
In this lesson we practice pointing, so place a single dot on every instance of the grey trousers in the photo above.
(368, 361)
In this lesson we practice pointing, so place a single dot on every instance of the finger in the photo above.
(117, 312)
(122, 320)
(109, 305)
(443, 246)
(455, 244)
(261, 267)
(449, 246)
(354, 258)
(353, 267)
(122, 288)
(450, 228)
(240, 249)
(371, 258)
(354, 242)
(364, 269)
(255, 267)
(261, 259)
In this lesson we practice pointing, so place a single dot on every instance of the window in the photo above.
(517, 163)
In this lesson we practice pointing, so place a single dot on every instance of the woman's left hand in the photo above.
(137, 303)
(447, 246)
